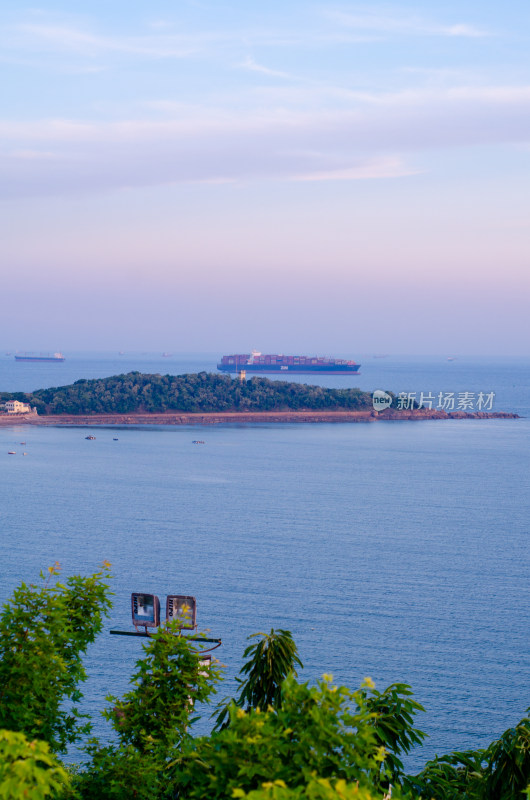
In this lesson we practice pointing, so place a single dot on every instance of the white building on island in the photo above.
(16, 407)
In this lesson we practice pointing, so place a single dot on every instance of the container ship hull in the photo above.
(282, 365)
(56, 357)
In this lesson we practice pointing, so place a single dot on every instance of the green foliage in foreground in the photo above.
(151, 720)
(28, 769)
(315, 789)
(326, 731)
(168, 681)
(44, 631)
(500, 772)
(280, 739)
(202, 392)
(272, 658)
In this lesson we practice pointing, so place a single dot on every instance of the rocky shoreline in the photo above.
(217, 418)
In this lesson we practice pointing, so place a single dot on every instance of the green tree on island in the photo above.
(201, 392)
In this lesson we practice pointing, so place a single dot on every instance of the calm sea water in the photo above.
(395, 550)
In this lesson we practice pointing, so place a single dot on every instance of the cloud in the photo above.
(373, 138)
(463, 30)
(403, 24)
(70, 40)
(253, 66)
(45, 34)
(384, 167)
(36, 155)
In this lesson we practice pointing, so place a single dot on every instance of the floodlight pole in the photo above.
(116, 632)
(216, 642)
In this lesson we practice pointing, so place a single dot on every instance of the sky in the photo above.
(193, 175)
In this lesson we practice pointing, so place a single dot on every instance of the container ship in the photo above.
(39, 357)
(257, 362)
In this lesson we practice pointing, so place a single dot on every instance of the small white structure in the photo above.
(16, 407)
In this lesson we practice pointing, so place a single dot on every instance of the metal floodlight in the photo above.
(145, 609)
(183, 608)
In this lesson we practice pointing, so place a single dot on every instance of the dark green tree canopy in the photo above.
(201, 392)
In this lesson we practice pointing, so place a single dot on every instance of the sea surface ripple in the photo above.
(394, 550)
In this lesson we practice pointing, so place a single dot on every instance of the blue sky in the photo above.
(335, 177)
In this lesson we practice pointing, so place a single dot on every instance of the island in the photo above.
(205, 398)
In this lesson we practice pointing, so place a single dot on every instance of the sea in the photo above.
(395, 550)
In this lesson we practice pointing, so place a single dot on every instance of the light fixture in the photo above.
(183, 608)
(145, 610)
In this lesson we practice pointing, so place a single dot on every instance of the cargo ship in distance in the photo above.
(39, 357)
(280, 364)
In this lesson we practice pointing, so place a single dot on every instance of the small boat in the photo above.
(22, 442)
(24, 454)
(11, 452)
(198, 441)
(90, 437)
(115, 439)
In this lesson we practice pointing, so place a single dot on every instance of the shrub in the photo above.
(44, 631)
(28, 769)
